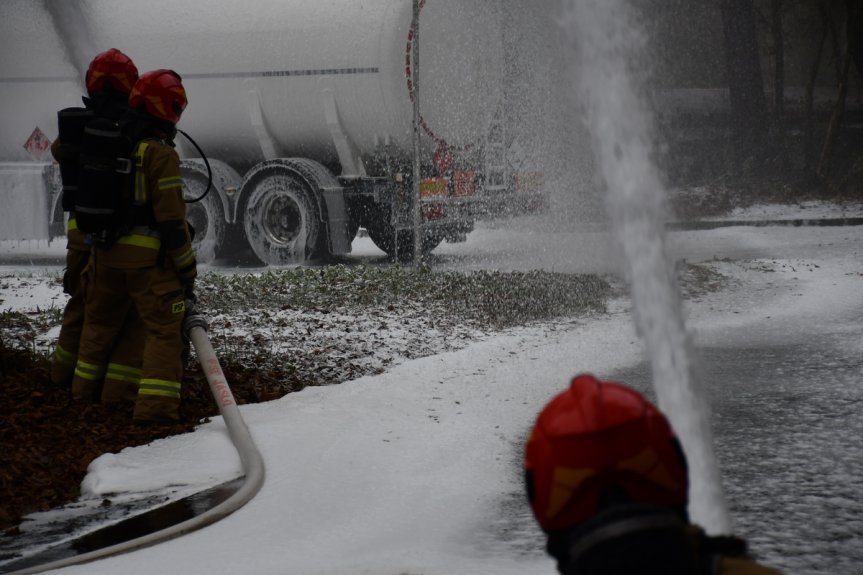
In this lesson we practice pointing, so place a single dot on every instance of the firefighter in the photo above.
(607, 482)
(152, 266)
(109, 79)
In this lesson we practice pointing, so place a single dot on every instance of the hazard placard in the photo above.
(433, 187)
(37, 144)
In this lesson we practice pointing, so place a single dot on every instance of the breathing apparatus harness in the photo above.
(99, 171)
(141, 123)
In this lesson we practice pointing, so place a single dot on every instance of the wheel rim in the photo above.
(282, 222)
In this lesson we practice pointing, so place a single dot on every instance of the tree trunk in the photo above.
(835, 119)
(855, 35)
(839, 109)
(778, 34)
(809, 138)
(778, 62)
(745, 81)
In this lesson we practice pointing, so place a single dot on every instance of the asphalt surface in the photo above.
(787, 423)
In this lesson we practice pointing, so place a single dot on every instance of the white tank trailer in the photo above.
(304, 109)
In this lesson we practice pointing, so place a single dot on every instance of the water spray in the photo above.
(606, 38)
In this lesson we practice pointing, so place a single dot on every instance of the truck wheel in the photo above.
(382, 234)
(207, 216)
(209, 223)
(281, 222)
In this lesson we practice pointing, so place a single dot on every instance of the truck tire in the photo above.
(281, 221)
(207, 219)
(383, 235)
(206, 216)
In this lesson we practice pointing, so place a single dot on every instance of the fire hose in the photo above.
(195, 328)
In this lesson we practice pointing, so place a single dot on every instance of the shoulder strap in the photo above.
(140, 197)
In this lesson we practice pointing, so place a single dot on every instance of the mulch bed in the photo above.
(47, 440)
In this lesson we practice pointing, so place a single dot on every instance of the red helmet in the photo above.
(595, 436)
(111, 71)
(159, 93)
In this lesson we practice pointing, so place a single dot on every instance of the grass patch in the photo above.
(25, 331)
(318, 326)
(288, 329)
(489, 298)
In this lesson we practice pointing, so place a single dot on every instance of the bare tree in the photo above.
(744, 76)
(855, 35)
(809, 137)
(778, 35)
(850, 45)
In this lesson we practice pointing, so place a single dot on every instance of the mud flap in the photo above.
(338, 220)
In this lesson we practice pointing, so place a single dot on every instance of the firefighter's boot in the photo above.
(86, 389)
(156, 409)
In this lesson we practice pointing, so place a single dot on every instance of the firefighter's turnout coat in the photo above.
(149, 268)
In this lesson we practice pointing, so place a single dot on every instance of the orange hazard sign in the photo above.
(434, 187)
(37, 144)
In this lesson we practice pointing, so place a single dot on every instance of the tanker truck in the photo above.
(303, 108)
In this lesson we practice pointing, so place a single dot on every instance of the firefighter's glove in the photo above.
(189, 291)
(67, 282)
(186, 266)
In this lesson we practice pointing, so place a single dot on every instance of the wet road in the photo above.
(787, 419)
(788, 425)
(789, 429)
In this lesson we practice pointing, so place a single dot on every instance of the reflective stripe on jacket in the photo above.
(158, 184)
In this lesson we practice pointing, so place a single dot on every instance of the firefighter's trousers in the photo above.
(66, 351)
(124, 365)
(157, 296)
